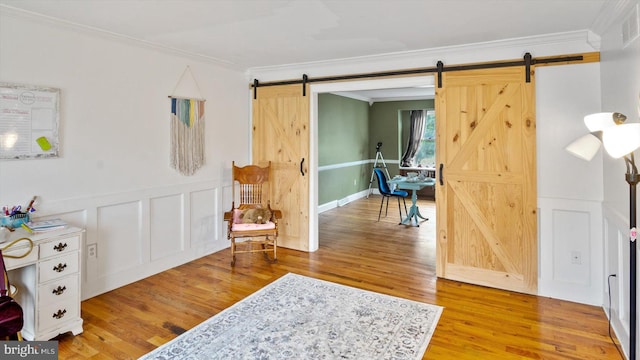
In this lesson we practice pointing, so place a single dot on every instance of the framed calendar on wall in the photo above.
(29, 117)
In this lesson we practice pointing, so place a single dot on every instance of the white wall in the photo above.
(620, 78)
(113, 175)
(569, 189)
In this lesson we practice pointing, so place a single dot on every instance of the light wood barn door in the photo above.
(281, 135)
(486, 204)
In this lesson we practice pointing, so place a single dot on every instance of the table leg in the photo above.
(407, 220)
(420, 215)
(412, 211)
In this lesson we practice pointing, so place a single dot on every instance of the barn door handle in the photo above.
(301, 170)
(440, 174)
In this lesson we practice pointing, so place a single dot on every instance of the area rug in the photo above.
(298, 317)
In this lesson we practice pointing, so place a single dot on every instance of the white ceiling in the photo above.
(378, 95)
(244, 34)
(255, 33)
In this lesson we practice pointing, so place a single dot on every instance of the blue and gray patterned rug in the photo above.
(298, 317)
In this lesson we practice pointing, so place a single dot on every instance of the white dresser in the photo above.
(47, 281)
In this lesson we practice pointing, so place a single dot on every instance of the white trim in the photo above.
(344, 165)
(540, 45)
(313, 171)
(353, 96)
(353, 197)
(344, 201)
(328, 206)
(356, 163)
(608, 15)
(390, 83)
(370, 100)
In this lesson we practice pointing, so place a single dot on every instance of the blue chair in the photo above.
(383, 187)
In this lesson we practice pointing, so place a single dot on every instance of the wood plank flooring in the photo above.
(355, 250)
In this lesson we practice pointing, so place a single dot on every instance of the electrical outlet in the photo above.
(92, 251)
(576, 257)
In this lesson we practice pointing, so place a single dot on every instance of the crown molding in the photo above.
(572, 37)
(352, 95)
(609, 14)
(69, 25)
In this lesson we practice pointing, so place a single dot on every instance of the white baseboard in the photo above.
(328, 206)
(345, 200)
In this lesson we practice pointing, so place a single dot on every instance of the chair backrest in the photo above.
(252, 184)
(383, 187)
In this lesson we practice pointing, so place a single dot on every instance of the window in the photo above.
(425, 155)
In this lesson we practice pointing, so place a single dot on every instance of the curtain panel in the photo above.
(415, 135)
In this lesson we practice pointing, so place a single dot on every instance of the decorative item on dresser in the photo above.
(48, 279)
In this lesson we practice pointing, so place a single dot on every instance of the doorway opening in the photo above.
(318, 162)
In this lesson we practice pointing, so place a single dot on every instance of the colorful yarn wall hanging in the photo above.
(187, 131)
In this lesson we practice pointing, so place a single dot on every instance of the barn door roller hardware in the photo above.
(305, 79)
(440, 66)
(256, 83)
(527, 67)
(527, 62)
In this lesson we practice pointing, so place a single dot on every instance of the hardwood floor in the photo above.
(355, 250)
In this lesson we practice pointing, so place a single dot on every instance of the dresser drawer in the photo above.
(54, 315)
(59, 247)
(58, 267)
(31, 258)
(62, 289)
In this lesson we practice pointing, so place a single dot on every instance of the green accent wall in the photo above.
(343, 137)
(343, 129)
(348, 131)
(383, 127)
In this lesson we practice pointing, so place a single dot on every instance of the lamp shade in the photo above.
(585, 147)
(621, 140)
(604, 120)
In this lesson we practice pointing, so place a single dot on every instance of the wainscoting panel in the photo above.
(166, 225)
(570, 256)
(571, 251)
(120, 237)
(141, 233)
(617, 254)
(205, 217)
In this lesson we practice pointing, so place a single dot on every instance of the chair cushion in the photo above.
(250, 227)
(400, 193)
(236, 216)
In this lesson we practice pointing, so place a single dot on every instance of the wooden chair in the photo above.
(252, 184)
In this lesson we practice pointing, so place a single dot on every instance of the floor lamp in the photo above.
(620, 141)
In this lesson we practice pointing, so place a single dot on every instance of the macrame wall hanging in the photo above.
(187, 127)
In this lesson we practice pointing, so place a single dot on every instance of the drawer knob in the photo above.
(59, 267)
(60, 247)
(59, 290)
(59, 314)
